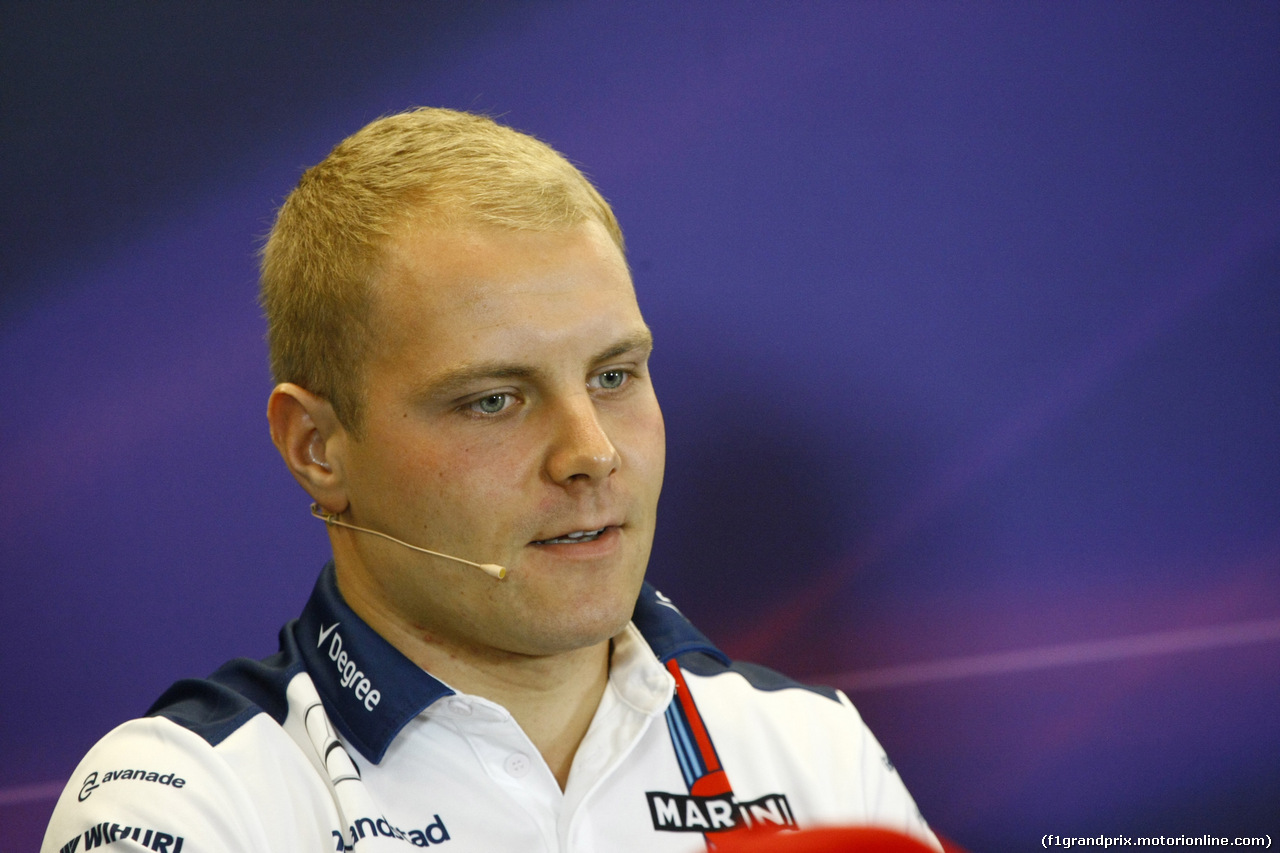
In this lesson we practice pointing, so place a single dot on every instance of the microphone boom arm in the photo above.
(494, 571)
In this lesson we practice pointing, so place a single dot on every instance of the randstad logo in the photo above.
(92, 784)
(368, 827)
(349, 674)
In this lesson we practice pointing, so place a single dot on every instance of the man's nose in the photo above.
(581, 449)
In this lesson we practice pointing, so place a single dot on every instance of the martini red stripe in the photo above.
(700, 735)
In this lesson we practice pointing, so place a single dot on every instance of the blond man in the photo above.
(463, 392)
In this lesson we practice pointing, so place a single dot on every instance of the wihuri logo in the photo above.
(103, 834)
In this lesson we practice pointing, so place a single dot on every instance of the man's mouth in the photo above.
(574, 538)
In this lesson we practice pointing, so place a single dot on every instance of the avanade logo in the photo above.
(349, 674)
(92, 784)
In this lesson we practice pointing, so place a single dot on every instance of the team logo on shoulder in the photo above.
(720, 813)
(107, 832)
(92, 783)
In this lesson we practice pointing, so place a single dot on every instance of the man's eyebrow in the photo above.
(461, 378)
(642, 340)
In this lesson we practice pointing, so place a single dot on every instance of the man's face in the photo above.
(509, 411)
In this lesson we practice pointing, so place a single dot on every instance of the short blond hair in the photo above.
(437, 167)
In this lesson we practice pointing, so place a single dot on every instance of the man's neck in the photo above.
(552, 697)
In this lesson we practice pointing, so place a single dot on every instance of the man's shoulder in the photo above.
(757, 710)
(712, 674)
(216, 706)
(212, 763)
(756, 677)
(803, 745)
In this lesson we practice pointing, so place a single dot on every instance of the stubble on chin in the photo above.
(573, 623)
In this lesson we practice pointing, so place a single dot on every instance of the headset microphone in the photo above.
(493, 571)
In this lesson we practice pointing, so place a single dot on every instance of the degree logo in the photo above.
(350, 675)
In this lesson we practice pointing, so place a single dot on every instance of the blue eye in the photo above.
(491, 405)
(612, 379)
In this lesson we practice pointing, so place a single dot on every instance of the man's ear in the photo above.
(311, 441)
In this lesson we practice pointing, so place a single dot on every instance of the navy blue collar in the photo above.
(666, 630)
(371, 691)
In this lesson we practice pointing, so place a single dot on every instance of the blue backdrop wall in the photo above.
(968, 323)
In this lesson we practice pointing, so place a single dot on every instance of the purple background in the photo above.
(968, 328)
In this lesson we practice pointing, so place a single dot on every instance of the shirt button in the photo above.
(517, 764)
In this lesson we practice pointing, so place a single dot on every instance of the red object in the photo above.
(824, 840)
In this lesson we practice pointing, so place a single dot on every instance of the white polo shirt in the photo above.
(339, 742)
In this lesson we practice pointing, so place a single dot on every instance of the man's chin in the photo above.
(575, 631)
(576, 613)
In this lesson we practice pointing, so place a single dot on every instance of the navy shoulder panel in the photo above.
(759, 677)
(216, 706)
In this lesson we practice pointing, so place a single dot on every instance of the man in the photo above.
(463, 367)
